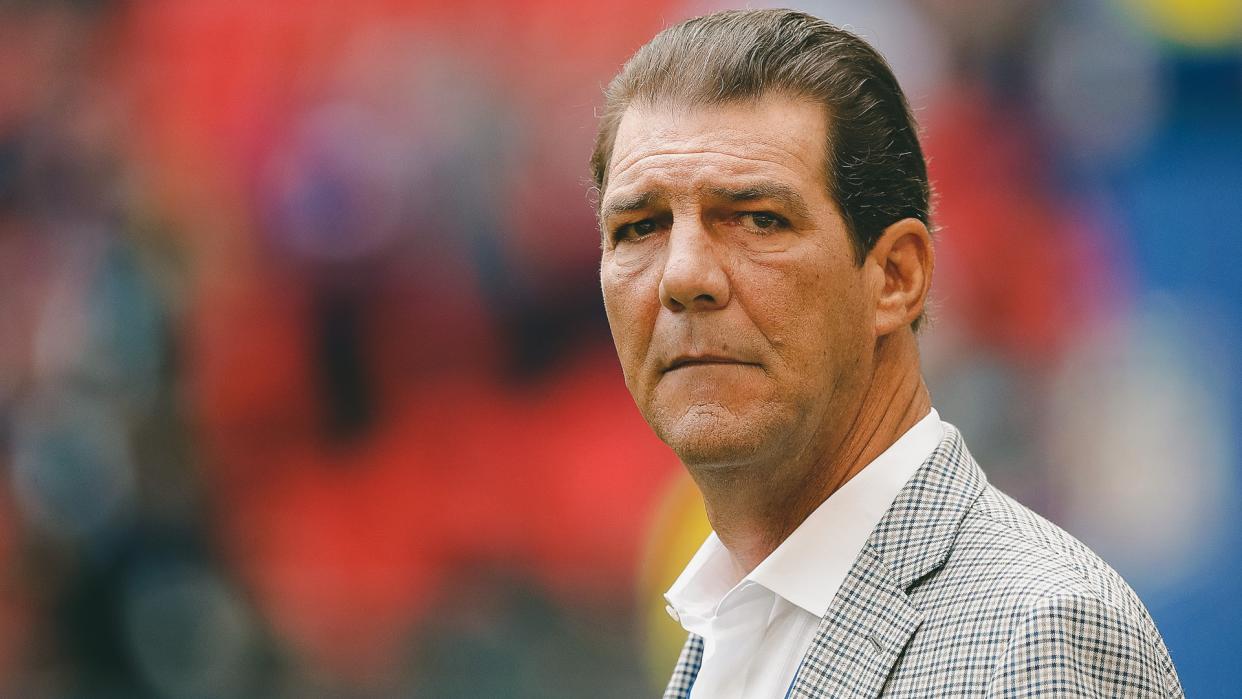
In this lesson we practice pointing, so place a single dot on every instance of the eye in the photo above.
(636, 230)
(762, 221)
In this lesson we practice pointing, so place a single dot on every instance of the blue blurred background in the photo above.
(306, 391)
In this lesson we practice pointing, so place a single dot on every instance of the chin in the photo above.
(711, 436)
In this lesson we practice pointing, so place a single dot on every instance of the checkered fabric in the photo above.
(962, 592)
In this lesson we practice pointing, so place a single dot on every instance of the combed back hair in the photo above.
(876, 171)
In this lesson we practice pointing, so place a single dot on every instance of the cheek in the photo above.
(631, 317)
(809, 313)
(784, 300)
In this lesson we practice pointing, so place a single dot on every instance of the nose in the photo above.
(693, 277)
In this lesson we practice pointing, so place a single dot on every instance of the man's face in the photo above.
(742, 322)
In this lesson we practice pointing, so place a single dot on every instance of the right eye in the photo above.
(636, 230)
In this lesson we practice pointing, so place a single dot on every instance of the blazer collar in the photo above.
(916, 536)
(871, 620)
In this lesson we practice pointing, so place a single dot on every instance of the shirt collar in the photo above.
(810, 565)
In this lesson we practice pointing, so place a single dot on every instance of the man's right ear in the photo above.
(902, 261)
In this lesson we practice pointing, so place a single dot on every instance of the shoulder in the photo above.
(1040, 610)
(1030, 557)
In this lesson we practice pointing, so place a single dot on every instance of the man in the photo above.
(766, 262)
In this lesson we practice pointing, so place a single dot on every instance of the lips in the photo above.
(704, 360)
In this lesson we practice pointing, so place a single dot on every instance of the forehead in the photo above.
(677, 148)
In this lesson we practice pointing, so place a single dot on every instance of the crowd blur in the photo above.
(306, 391)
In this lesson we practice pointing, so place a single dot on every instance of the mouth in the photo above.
(704, 360)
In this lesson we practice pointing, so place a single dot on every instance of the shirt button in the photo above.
(672, 613)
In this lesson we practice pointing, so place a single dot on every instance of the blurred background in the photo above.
(306, 389)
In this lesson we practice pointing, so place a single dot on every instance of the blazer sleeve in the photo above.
(1074, 645)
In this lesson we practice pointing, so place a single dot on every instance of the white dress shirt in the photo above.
(756, 628)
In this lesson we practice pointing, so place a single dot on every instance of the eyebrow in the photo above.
(774, 191)
(625, 205)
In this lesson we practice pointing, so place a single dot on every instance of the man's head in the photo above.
(763, 205)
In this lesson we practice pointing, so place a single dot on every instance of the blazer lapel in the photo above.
(860, 638)
(687, 669)
(871, 619)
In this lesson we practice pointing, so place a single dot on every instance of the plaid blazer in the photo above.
(962, 592)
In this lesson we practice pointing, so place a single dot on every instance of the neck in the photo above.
(754, 507)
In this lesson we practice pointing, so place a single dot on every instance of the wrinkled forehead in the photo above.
(671, 145)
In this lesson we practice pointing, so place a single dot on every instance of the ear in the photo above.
(902, 260)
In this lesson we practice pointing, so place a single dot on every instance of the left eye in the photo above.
(761, 220)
